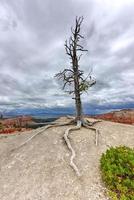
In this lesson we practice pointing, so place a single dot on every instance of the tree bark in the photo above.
(78, 103)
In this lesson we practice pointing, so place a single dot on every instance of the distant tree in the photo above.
(2, 113)
(73, 76)
(1, 116)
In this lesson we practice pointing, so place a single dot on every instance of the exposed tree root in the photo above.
(96, 132)
(33, 136)
(85, 123)
(72, 164)
(70, 117)
(42, 130)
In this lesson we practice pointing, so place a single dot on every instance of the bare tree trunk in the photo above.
(74, 76)
(77, 98)
(75, 67)
(78, 108)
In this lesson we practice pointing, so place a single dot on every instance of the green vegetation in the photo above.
(117, 167)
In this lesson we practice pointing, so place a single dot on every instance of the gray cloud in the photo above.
(32, 35)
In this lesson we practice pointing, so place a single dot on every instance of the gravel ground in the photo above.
(40, 170)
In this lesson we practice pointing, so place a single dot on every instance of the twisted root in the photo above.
(97, 132)
(41, 131)
(72, 164)
(85, 123)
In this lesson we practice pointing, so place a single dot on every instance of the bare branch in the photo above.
(89, 75)
(81, 36)
(80, 49)
(79, 57)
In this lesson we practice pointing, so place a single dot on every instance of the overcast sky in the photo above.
(32, 35)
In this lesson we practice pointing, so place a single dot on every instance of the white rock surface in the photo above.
(40, 170)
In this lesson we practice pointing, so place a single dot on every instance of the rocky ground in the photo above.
(40, 169)
(125, 116)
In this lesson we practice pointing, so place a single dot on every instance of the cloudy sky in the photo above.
(32, 35)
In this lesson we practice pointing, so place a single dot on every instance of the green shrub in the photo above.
(117, 167)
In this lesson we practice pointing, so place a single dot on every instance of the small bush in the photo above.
(117, 166)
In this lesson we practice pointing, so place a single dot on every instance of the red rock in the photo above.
(18, 121)
(123, 116)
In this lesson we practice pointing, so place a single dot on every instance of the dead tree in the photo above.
(2, 113)
(73, 77)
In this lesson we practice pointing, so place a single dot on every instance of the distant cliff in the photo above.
(16, 122)
(123, 116)
(12, 125)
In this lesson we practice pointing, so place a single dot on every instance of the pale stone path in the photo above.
(40, 170)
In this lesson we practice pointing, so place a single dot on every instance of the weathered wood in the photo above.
(75, 77)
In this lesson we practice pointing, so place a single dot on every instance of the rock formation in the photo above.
(123, 116)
